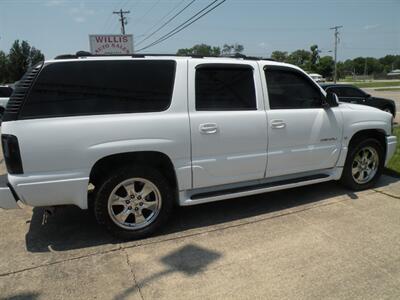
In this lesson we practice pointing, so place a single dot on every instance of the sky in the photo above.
(370, 28)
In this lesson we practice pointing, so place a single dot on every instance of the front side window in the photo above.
(220, 88)
(337, 91)
(101, 87)
(354, 92)
(289, 89)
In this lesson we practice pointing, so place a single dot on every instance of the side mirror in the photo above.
(331, 100)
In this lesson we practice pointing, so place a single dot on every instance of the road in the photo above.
(394, 95)
(312, 242)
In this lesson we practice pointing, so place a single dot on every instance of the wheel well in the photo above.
(377, 134)
(158, 160)
(390, 107)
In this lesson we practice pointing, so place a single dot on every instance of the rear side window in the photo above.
(220, 88)
(101, 87)
(289, 89)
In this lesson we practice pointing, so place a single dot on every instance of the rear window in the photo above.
(225, 88)
(101, 87)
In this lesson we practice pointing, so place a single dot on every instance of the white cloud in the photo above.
(263, 45)
(54, 2)
(371, 26)
(79, 19)
(81, 12)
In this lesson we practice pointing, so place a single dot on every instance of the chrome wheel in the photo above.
(134, 203)
(365, 165)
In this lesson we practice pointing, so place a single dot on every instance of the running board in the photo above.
(255, 189)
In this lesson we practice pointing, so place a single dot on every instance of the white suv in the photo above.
(149, 132)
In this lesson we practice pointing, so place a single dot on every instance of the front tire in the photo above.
(388, 110)
(364, 164)
(132, 203)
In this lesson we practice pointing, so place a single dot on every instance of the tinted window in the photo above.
(338, 91)
(225, 88)
(5, 91)
(353, 92)
(345, 91)
(289, 89)
(101, 87)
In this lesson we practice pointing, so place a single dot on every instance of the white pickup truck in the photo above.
(150, 132)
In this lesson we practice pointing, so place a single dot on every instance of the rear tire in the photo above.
(364, 164)
(133, 203)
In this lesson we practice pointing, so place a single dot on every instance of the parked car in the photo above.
(150, 132)
(353, 94)
(317, 77)
(5, 93)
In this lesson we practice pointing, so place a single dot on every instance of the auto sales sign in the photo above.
(111, 44)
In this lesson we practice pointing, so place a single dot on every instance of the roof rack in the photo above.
(83, 54)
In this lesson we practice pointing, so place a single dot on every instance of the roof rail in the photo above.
(81, 54)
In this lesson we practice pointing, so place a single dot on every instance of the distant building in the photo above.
(394, 73)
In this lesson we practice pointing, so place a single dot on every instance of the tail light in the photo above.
(12, 155)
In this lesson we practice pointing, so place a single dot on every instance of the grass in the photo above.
(376, 84)
(394, 163)
(388, 90)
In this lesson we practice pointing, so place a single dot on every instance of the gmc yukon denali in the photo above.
(149, 132)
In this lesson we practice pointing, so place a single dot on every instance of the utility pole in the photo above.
(122, 19)
(365, 68)
(336, 28)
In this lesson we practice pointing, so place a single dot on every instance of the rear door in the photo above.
(228, 122)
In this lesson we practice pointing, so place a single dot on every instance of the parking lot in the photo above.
(307, 243)
(394, 95)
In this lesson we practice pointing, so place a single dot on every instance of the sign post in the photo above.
(111, 44)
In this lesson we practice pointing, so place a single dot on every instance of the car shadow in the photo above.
(71, 228)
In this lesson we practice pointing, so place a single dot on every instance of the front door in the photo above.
(302, 135)
(228, 123)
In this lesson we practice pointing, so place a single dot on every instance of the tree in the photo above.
(232, 50)
(21, 57)
(314, 57)
(325, 66)
(200, 49)
(300, 58)
(359, 65)
(3, 67)
(281, 56)
(35, 56)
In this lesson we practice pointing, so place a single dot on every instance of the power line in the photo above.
(147, 12)
(166, 23)
(107, 22)
(122, 19)
(162, 19)
(336, 28)
(184, 24)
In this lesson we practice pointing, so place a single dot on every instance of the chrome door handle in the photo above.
(278, 124)
(208, 128)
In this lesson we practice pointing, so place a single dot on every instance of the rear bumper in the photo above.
(7, 199)
(391, 143)
(51, 189)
